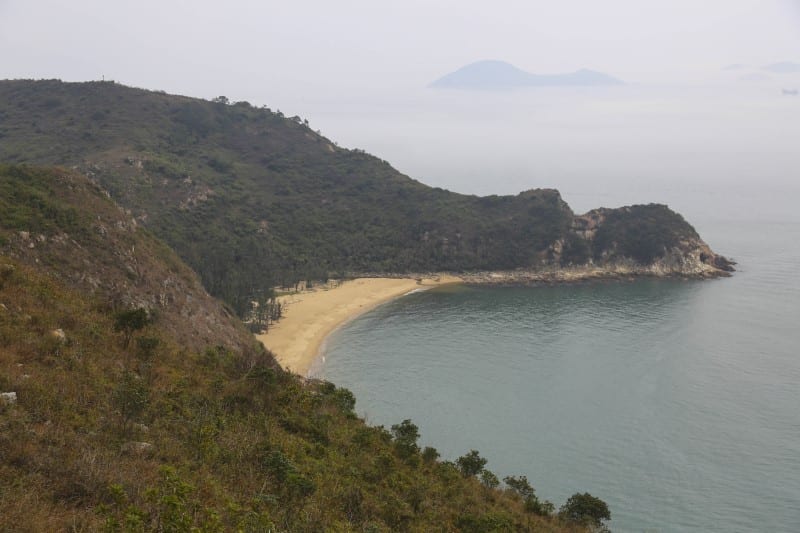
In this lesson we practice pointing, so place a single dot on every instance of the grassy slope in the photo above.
(236, 442)
(251, 199)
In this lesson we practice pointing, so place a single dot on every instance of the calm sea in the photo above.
(676, 402)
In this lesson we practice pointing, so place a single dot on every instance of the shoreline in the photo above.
(298, 339)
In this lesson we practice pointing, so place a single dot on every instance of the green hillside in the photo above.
(251, 199)
(132, 401)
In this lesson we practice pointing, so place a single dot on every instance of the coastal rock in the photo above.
(649, 240)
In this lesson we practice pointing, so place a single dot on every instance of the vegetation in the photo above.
(471, 464)
(523, 488)
(641, 232)
(251, 199)
(142, 403)
(128, 420)
(587, 510)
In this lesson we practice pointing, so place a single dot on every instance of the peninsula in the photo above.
(253, 200)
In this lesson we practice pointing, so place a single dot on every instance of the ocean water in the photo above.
(677, 402)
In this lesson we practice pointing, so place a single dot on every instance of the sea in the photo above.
(675, 401)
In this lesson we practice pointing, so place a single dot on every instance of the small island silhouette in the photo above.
(494, 75)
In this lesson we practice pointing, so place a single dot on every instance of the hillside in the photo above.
(179, 422)
(495, 75)
(65, 225)
(251, 199)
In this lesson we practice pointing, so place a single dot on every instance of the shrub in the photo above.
(129, 321)
(489, 480)
(471, 464)
(429, 454)
(130, 397)
(585, 509)
(405, 438)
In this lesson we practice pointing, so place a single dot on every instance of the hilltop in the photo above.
(494, 75)
(133, 401)
(252, 199)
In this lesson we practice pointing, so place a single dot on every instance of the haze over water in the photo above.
(674, 401)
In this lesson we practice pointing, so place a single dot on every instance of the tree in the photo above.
(344, 399)
(130, 321)
(521, 486)
(405, 438)
(430, 454)
(586, 510)
(471, 464)
(489, 480)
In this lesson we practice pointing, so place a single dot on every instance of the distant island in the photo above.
(499, 75)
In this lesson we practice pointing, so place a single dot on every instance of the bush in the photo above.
(429, 454)
(523, 488)
(585, 509)
(489, 480)
(405, 438)
(130, 397)
(127, 322)
(471, 464)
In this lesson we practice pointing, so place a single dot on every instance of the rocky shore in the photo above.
(688, 262)
(670, 266)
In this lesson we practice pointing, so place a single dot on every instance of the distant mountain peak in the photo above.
(494, 74)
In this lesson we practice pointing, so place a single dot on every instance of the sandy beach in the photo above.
(310, 316)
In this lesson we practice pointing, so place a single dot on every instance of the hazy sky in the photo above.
(267, 50)
(357, 69)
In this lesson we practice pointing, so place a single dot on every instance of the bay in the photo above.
(674, 401)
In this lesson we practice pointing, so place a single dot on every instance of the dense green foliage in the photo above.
(120, 425)
(252, 199)
(586, 509)
(471, 464)
(642, 232)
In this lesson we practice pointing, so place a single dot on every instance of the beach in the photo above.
(311, 315)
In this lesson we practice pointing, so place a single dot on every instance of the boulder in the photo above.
(8, 397)
(59, 335)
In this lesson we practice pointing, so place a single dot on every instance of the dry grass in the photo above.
(183, 425)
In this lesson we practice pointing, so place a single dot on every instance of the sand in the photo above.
(310, 316)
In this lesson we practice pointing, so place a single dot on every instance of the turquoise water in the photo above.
(677, 402)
